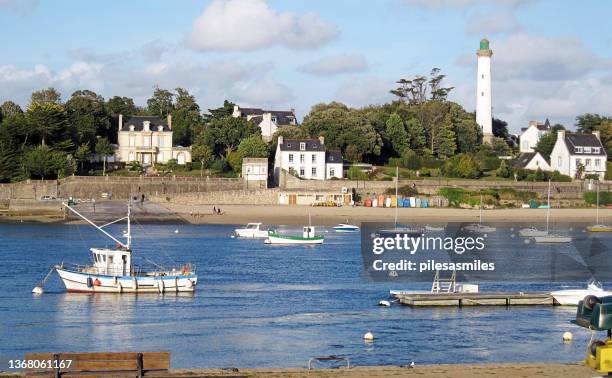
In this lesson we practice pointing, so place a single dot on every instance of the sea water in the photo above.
(256, 305)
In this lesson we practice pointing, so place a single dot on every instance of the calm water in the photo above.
(256, 305)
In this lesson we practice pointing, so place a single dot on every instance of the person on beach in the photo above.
(214, 210)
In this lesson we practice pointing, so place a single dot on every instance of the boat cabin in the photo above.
(309, 232)
(252, 226)
(112, 262)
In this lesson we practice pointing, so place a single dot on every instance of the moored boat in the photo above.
(308, 237)
(113, 271)
(479, 227)
(571, 297)
(343, 227)
(548, 237)
(597, 227)
(252, 230)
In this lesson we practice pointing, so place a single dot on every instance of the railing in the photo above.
(135, 271)
(106, 179)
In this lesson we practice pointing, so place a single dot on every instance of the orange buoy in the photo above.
(97, 282)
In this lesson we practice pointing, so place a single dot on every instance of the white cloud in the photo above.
(336, 64)
(493, 22)
(442, 4)
(251, 24)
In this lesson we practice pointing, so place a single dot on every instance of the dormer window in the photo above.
(579, 150)
(273, 118)
(160, 128)
(131, 127)
(587, 150)
(302, 146)
(595, 150)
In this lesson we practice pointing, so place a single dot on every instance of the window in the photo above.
(587, 150)
(482, 93)
(302, 146)
(273, 118)
(314, 172)
(559, 161)
(131, 156)
(332, 172)
(578, 162)
(302, 158)
(145, 141)
(160, 141)
(595, 150)
(482, 76)
(587, 163)
(314, 158)
(597, 163)
(525, 145)
(132, 140)
(290, 158)
(302, 172)
(578, 150)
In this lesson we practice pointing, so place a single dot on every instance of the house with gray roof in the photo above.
(530, 136)
(307, 158)
(579, 151)
(269, 121)
(531, 161)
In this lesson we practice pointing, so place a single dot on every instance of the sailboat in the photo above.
(597, 227)
(402, 230)
(550, 238)
(308, 237)
(113, 271)
(479, 227)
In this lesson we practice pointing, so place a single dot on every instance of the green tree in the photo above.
(416, 133)
(500, 147)
(500, 129)
(161, 103)
(104, 149)
(224, 111)
(547, 142)
(468, 135)
(252, 146)
(119, 105)
(8, 165)
(503, 170)
(396, 133)
(467, 167)
(46, 96)
(41, 162)
(88, 117)
(202, 153)
(186, 118)
(82, 154)
(48, 121)
(224, 134)
(589, 122)
(10, 109)
(354, 173)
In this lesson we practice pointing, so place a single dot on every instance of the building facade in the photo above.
(269, 121)
(532, 161)
(255, 172)
(307, 158)
(148, 140)
(574, 150)
(530, 136)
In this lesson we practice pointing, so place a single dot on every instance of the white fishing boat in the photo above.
(113, 271)
(550, 237)
(479, 227)
(252, 230)
(308, 237)
(571, 297)
(530, 232)
(345, 227)
(598, 227)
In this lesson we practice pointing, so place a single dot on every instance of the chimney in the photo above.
(597, 134)
(322, 139)
(280, 140)
(146, 125)
(561, 135)
(267, 117)
(170, 121)
(236, 113)
(292, 110)
(120, 121)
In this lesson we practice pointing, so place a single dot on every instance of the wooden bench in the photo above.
(96, 364)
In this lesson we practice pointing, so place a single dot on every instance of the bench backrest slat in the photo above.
(101, 361)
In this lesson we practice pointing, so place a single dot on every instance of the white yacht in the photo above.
(479, 227)
(571, 297)
(252, 230)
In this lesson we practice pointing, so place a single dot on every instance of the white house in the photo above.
(572, 150)
(148, 140)
(530, 136)
(269, 121)
(307, 158)
(255, 171)
(532, 161)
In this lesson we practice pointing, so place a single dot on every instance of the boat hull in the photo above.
(80, 282)
(286, 240)
(572, 297)
(251, 234)
(600, 228)
(532, 232)
(551, 239)
(346, 229)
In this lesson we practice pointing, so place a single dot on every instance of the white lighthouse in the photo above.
(483, 91)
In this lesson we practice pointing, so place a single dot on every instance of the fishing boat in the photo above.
(479, 227)
(345, 227)
(399, 229)
(308, 237)
(252, 230)
(598, 227)
(549, 237)
(112, 270)
(571, 297)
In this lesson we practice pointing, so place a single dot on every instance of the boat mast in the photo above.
(480, 211)
(396, 182)
(129, 226)
(548, 207)
(597, 206)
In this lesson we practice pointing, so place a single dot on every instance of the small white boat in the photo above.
(400, 230)
(252, 230)
(530, 232)
(551, 238)
(343, 227)
(308, 237)
(571, 297)
(479, 227)
(434, 228)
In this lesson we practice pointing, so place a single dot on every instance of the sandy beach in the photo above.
(298, 215)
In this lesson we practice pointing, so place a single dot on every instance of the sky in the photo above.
(551, 58)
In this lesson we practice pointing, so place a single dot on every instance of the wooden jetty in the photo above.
(477, 299)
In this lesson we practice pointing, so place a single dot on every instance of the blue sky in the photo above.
(550, 58)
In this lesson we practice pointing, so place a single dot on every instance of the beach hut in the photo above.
(412, 202)
(368, 202)
(400, 201)
(381, 201)
(388, 202)
(418, 202)
(425, 203)
(406, 202)
(374, 202)
(393, 201)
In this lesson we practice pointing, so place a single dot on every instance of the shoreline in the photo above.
(526, 370)
(173, 213)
